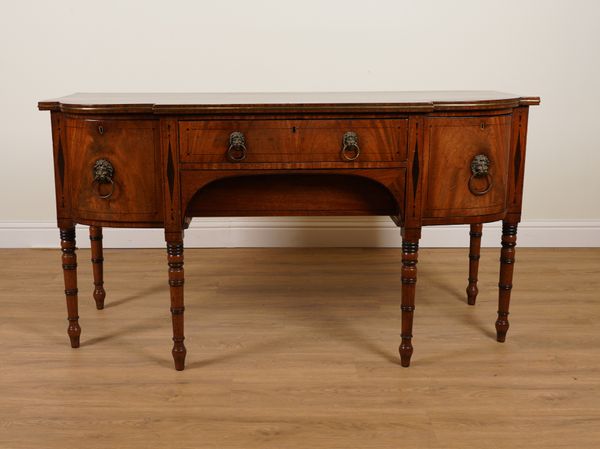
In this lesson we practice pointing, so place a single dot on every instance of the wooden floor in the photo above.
(297, 348)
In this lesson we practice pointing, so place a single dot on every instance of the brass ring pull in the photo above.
(350, 148)
(480, 192)
(480, 167)
(237, 147)
(103, 172)
(109, 194)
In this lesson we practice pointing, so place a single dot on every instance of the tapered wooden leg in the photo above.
(410, 248)
(474, 253)
(69, 265)
(507, 261)
(97, 266)
(176, 278)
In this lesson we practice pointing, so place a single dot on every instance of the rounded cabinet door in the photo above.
(113, 167)
(468, 165)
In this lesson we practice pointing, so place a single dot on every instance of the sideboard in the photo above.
(158, 160)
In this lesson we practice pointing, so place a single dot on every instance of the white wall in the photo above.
(546, 48)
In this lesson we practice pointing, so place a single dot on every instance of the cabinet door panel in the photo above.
(132, 150)
(453, 143)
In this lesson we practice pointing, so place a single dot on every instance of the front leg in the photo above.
(507, 263)
(176, 278)
(410, 249)
(69, 265)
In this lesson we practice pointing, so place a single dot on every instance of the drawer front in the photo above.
(265, 141)
(113, 167)
(460, 150)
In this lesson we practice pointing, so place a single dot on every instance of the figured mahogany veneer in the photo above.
(157, 160)
(132, 147)
(293, 140)
(452, 142)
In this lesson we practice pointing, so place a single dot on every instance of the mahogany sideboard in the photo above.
(157, 160)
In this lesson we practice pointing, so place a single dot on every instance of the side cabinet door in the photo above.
(453, 143)
(131, 149)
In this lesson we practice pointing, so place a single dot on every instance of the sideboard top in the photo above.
(204, 103)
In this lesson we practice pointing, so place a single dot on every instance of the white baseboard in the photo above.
(307, 232)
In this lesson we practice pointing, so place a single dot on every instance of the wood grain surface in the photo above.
(297, 348)
(280, 102)
(132, 148)
(453, 142)
(289, 141)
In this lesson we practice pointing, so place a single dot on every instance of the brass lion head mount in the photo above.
(103, 171)
(480, 165)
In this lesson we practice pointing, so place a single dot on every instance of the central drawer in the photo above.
(267, 141)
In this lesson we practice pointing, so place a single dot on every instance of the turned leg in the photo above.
(176, 277)
(97, 265)
(410, 247)
(69, 265)
(507, 261)
(474, 253)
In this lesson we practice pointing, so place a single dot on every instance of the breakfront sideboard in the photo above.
(158, 160)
